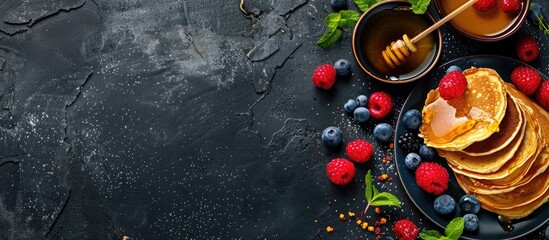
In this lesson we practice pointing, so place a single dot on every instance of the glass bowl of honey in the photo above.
(385, 23)
(485, 26)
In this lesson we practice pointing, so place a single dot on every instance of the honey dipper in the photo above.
(396, 54)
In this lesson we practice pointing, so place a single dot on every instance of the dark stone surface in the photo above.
(184, 119)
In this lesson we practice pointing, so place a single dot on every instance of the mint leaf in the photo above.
(332, 20)
(369, 186)
(385, 199)
(348, 18)
(375, 198)
(454, 229)
(419, 6)
(430, 235)
(363, 5)
(329, 38)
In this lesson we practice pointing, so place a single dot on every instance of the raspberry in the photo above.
(542, 95)
(527, 48)
(432, 177)
(405, 230)
(340, 171)
(410, 142)
(511, 6)
(359, 150)
(324, 76)
(485, 5)
(380, 104)
(453, 85)
(526, 79)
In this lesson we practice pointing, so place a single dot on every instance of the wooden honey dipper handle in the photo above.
(442, 21)
(398, 51)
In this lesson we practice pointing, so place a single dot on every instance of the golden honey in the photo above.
(389, 25)
(477, 22)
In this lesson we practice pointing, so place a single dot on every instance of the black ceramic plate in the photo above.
(490, 227)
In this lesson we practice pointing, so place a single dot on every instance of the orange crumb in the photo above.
(371, 228)
(391, 145)
(351, 214)
(364, 225)
(329, 229)
(342, 217)
(378, 210)
(383, 220)
(358, 221)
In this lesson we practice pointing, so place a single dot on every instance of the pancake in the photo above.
(456, 124)
(520, 211)
(519, 202)
(501, 163)
(518, 197)
(539, 166)
(525, 186)
(538, 113)
(509, 127)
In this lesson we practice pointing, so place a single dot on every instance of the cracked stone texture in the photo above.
(176, 119)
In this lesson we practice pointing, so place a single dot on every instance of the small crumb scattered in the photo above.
(342, 217)
(329, 229)
(377, 230)
(391, 145)
(351, 214)
(364, 225)
(358, 221)
(383, 177)
(316, 221)
(378, 210)
(371, 228)
(381, 221)
(125, 238)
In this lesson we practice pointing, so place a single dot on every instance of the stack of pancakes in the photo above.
(493, 140)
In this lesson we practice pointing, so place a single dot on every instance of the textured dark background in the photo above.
(174, 119)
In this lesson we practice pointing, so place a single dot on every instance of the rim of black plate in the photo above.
(400, 115)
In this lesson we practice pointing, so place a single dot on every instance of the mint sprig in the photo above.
(543, 27)
(348, 18)
(363, 5)
(453, 231)
(419, 6)
(336, 22)
(376, 198)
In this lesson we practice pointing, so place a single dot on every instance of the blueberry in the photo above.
(426, 153)
(412, 161)
(331, 136)
(453, 68)
(338, 3)
(412, 119)
(350, 106)
(469, 204)
(445, 204)
(361, 115)
(471, 222)
(362, 101)
(342, 66)
(547, 233)
(383, 132)
(535, 9)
